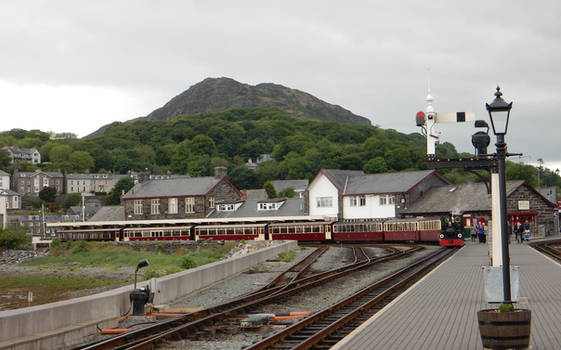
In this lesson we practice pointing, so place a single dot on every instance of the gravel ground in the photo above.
(313, 300)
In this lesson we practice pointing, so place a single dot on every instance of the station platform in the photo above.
(440, 311)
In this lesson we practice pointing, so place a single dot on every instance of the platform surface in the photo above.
(440, 311)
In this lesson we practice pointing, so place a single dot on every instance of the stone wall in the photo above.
(546, 215)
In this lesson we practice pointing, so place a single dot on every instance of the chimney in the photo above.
(220, 172)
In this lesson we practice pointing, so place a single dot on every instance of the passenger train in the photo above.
(310, 229)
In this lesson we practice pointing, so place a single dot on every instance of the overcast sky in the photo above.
(73, 66)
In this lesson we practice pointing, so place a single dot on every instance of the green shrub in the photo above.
(187, 262)
(13, 238)
(81, 247)
(160, 248)
(55, 242)
(287, 256)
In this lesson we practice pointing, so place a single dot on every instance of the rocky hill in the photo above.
(220, 94)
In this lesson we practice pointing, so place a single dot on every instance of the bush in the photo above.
(81, 247)
(187, 262)
(72, 200)
(160, 248)
(13, 238)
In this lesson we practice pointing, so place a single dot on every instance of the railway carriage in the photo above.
(95, 234)
(157, 233)
(300, 231)
(248, 232)
(429, 229)
(358, 231)
(401, 230)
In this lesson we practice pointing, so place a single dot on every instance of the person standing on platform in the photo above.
(518, 231)
(480, 232)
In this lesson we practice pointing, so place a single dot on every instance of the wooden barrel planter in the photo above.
(505, 330)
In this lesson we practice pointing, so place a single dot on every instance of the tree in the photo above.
(122, 186)
(242, 177)
(81, 161)
(5, 159)
(72, 200)
(287, 193)
(270, 189)
(13, 238)
(375, 166)
(59, 153)
(48, 194)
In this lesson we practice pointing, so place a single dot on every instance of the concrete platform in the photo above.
(440, 311)
(54, 325)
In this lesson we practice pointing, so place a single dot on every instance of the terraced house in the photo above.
(34, 182)
(179, 198)
(86, 183)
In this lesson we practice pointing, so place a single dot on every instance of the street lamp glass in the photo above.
(499, 113)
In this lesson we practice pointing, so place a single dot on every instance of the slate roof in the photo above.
(386, 182)
(291, 207)
(255, 194)
(5, 192)
(77, 210)
(177, 187)
(49, 173)
(109, 213)
(3, 173)
(462, 198)
(94, 176)
(339, 177)
(550, 193)
(281, 185)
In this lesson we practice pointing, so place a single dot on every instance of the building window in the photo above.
(392, 200)
(211, 202)
(268, 206)
(383, 200)
(155, 206)
(45, 182)
(172, 206)
(225, 207)
(324, 202)
(362, 201)
(353, 201)
(190, 205)
(138, 207)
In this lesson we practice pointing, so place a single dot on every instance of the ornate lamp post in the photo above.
(499, 113)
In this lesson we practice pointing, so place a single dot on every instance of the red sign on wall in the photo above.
(559, 203)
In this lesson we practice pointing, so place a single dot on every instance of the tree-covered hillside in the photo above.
(195, 145)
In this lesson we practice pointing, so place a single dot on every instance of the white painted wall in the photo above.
(322, 187)
(371, 210)
(5, 182)
(3, 211)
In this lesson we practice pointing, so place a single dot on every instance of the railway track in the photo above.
(549, 248)
(198, 323)
(325, 328)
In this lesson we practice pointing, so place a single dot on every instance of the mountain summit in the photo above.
(219, 94)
